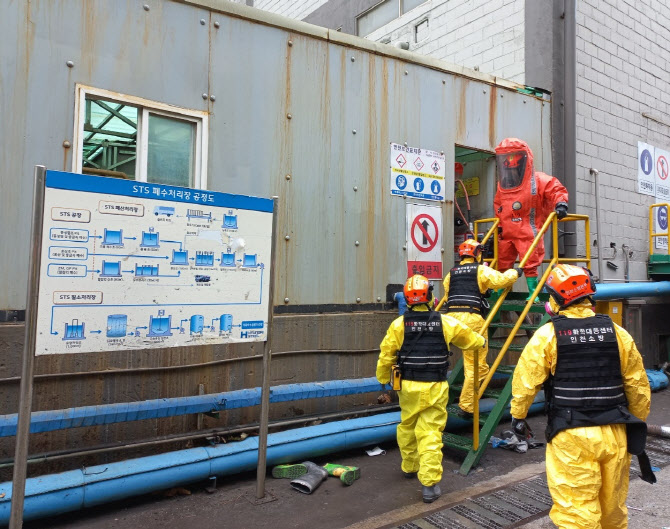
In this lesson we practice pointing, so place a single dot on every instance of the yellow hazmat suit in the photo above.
(587, 467)
(423, 405)
(487, 278)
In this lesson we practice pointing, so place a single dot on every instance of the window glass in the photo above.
(411, 4)
(170, 152)
(110, 138)
(377, 17)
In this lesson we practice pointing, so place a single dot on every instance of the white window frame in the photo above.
(145, 107)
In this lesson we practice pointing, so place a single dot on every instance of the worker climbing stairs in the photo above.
(513, 319)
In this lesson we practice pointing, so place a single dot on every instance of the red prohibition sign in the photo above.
(423, 228)
(662, 167)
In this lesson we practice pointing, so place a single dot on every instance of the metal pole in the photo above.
(601, 276)
(267, 357)
(26, 388)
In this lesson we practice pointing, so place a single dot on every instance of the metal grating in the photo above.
(517, 502)
(443, 520)
(486, 503)
(476, 517)
(532, 492)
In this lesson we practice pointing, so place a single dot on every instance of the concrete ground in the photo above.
(382, 498)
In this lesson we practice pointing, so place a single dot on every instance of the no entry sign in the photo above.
(424, 232)
(424, 241)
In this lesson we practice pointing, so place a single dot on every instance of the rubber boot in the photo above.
(532, 285)
(309, 482)
(346, 474)
(289, 471)
(430, 494)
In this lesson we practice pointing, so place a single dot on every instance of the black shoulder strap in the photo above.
(418, 336)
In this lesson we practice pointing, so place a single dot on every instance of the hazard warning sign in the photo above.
(417, 173)
(662, 171)
(424, 241)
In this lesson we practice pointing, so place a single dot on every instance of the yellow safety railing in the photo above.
(652, 234)
(552, 221)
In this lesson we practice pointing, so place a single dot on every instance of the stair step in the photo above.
(457, 441)
(511, 326)
(492, 393)
(519, 306)
(509, 370)
(452, 409)
(498, 345)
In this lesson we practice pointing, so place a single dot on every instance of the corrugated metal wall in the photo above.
(259, 70)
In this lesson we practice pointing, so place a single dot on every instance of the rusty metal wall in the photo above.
(348, 98)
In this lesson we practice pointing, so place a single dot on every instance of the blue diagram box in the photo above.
(74, 331)
(68, 234)
(113, 237)
(159, 326)
(227, 259)
(117, 325)
(252, 324)
(111, 269)
(226, 322)
(179, 257)
(66, 270)
(197, 323)
(204, 259)
(249, 260)
(149, 239)
(230, 222)
(146, 270)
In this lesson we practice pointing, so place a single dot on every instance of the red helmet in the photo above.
(418, 290)
(568, 284)
(469, 248)
(458, 168)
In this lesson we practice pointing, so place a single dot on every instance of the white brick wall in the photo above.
(623, 69)
(486, 34)
(297, 9)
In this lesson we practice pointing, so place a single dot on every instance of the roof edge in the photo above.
(351, 41)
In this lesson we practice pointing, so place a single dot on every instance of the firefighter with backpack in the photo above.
(416, 348)
(465, 288)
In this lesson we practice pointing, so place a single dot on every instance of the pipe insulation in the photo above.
(47, 421)
(54, 494)
(631, 290)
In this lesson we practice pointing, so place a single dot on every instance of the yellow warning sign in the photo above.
(471, 184)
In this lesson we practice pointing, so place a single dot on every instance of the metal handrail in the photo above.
(652, 234)
(552, 221)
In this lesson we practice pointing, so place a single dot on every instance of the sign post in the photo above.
(267, 358)
(26, 388)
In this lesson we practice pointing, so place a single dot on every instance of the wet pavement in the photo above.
(505, 483)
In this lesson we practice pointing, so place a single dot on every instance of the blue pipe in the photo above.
(632, 290)
(47, 421)
(77, 489)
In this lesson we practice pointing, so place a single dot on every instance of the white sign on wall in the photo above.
(424, 241)
(646, 178)
(662, 170)
(132, 265)
(417, 172)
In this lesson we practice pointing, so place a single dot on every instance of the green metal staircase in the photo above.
(513, 304)
(503, 337)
